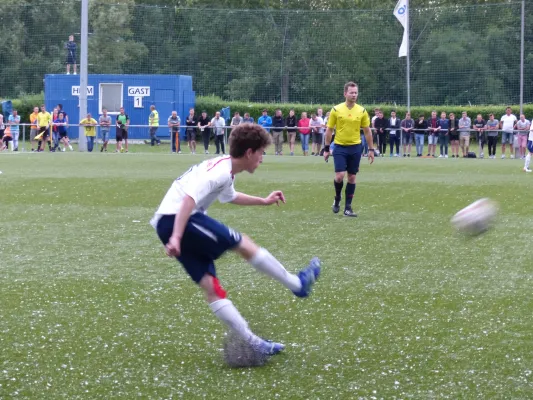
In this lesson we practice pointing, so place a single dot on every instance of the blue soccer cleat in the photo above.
(270, 348)
(308, 277)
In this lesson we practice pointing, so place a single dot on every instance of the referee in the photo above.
(347, 119)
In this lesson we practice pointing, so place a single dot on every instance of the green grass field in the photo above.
(90, 306)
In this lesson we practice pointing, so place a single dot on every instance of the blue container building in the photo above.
(136, 93)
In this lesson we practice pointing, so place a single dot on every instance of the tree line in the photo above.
(279, 51)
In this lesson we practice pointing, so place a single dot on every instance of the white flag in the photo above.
(400, 12)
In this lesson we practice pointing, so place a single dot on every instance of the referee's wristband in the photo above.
(326, 148)
(370, 149)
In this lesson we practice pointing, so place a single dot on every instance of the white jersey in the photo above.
(205, 183)
(530, 134)
(508, 122)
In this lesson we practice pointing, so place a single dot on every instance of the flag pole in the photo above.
(408, 58)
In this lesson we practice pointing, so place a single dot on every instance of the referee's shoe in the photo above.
(336, 207)
(348, 212)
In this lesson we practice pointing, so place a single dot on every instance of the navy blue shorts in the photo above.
(204, 240)
(348, 158)
(530, 146)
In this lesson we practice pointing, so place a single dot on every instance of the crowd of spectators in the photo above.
(448, 131)
(445, 133)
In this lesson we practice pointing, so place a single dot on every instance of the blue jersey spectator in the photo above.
(265, 121)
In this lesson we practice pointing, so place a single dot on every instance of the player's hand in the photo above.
(173, 248)
(275, 197)
(371, 157)
(326, 156)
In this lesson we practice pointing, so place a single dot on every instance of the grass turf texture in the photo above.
(90, 307)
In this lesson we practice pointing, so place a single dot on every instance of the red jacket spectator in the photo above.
(303, 126)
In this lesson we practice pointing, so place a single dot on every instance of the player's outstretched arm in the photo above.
(246, 200)
(173, 247)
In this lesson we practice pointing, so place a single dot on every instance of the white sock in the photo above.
(267, 263)
(229, 315)
(528, 159)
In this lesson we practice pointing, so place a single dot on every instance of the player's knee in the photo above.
(212, 288)
(351, 178)
(246, 248)
(339, 176)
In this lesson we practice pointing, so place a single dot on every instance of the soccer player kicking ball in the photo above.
(530, 150)
(348, 118)
(197, 240)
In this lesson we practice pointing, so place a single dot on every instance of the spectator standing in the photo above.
(247, 119)
(530, 152)
(55, 131)
(122, 123)
(105, 126)
(71, 48)
(320, 114)
(236, 120)
(522, 126)
(454, 135)
(464, 133)
(433, 134)
(380, 124)
(303, 129)
(372, 124)
(44, 120)
(204, 124)
(173, 123)
(443, 135)
(394, 134)
(190, 132)
(507, 123)
(278, 123)
(420, 127)
(290, 124)
(479, 126)
(63, 134)
(60, 110)
(14, 121)
(218, 125)
(265, 120)
(407, 134)
(2, 127)
(316, 123)
(492, 135)
(153, 122)
(90, 130)
(34, 128)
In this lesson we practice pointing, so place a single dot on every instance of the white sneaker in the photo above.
(68, 73)
(482, 155)
(206, 152)
(441, 156)
(179, 152)
(526, 169)
(512, 156)
(75, 73)
(63, 149)
(503, 156)
(446, 156)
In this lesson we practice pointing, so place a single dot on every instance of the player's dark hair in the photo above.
(349, 85)
(247, 136)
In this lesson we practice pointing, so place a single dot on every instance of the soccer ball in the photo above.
(475, 218)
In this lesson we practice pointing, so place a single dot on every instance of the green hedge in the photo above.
(211, 104)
